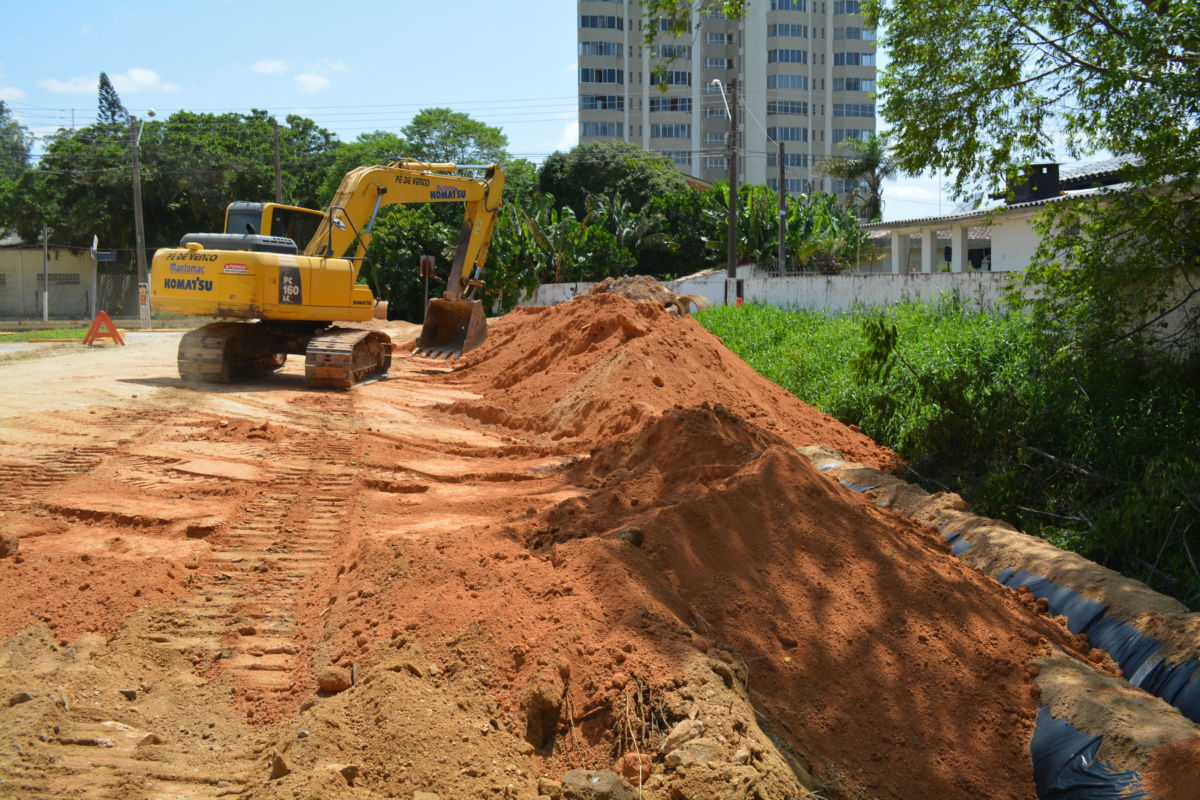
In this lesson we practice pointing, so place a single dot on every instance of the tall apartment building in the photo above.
(804, 70)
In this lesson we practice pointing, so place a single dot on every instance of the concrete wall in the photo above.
(823, 292)
(1013, 242)
(21, 283)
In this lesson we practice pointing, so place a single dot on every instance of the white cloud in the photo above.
(85, 29)
(78, 85)
(569, 136)
(268, 67)
(11, 93)
(311, 84)
(132, 81)
(140, 79)
(912, 193)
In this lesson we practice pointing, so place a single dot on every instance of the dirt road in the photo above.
(470, 580)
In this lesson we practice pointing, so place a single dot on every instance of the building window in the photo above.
(714, 138)
(853, 109)
(670, 104)
(671, 130)
(601, 21)
(847, 187)
(862, 34)
(788, 5)
(59, 279)
(601, 102)
(682, 158)
(716, 162)
(671, 51)
(847, 7)
(672, 77)
(800, 31)
(787, 107)
(600, 129)
(789, 159)
(791, 185)
(711, 89)
(854, 59)
(842, 134)
(853, 85)
(787, 81)
(788, 134)
(600, 49)
(715, 112)
(719, 38)
(718, 63)
(596, 75)
(787, 57)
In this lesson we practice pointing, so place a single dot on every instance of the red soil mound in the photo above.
(900, 669)
(599, 367)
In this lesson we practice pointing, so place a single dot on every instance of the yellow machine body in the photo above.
(256, 271)
(242, 284)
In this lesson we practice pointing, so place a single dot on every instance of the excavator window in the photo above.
(299, 225)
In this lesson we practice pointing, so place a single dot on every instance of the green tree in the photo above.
(193, 166)
(377, 147)
(441, 134)
(15, 143)
(866, 160)
(980, 88)
(402, 235)
(608, 168)
(110, 110)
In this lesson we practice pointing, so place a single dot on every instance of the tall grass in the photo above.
(1096, 452)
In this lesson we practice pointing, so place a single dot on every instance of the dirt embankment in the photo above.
(590, 545)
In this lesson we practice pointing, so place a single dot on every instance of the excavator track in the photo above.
(339, 358)
(222, 352)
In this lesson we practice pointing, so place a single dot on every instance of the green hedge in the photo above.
(1097, 452)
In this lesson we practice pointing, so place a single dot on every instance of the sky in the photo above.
(353, 68)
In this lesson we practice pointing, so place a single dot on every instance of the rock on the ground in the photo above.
(549, 788)
(697, 751)
(333, 679)
(634, 767)
(543, 706)
(587, 784)
(685, 731)
(279, 767)
(9, 545)
(18, 698)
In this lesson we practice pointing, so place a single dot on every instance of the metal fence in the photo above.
(77, 288)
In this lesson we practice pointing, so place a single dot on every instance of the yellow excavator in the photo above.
(279, 276)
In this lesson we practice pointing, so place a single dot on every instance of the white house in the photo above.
(1000, 239)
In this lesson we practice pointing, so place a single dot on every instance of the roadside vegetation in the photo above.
(47, 333)
(1096, 451)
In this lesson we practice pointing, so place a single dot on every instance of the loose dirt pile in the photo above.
(600, 367)
(591, 545)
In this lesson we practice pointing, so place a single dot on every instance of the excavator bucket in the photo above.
(452, 327)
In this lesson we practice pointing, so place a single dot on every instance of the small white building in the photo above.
(999, 239)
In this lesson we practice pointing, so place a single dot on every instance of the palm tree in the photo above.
(869, 161)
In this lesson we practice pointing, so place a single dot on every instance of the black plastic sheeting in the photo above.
(1065, 765)
(1137, 653)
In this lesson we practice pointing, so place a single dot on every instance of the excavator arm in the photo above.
(347, 225)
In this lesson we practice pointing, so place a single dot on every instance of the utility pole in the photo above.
(782, 215)
(45, 273)
(278, 173)
(731, 239)
(135, 134)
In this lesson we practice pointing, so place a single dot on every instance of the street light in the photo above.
(135, 133)
(731, 236)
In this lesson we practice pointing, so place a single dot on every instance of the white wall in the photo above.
(1014, 242)
(823, 292)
